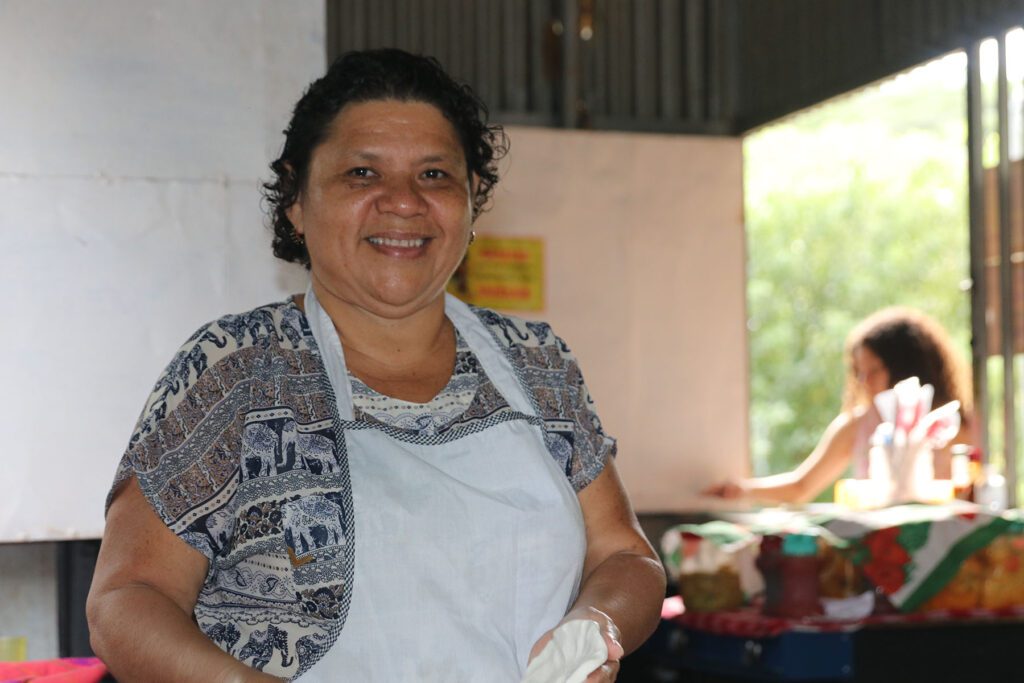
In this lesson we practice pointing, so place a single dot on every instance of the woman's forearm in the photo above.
(786, 487)
(142, 635)
(629, 587)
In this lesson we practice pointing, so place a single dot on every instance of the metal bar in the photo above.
(537, 36)
(599, 49)
(374, 25)
(495, 74)
(358, 31)
(1006, 281)
(976, 203)
(411, 14)
(453, 39)
(482, 55)
(715, 66)
(695, 71)
(439, 46)
(520, 55)
(644, 57)
(468, 41)
(730, 51)
(620, 96)
(331, 21)
(670, 56)
(398, 11)
(570, 63)
(508, 58)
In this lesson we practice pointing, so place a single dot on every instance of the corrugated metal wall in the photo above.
(796, 53)
(698, 66)
(508, 51)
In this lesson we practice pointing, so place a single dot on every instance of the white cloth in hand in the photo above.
(575, 650)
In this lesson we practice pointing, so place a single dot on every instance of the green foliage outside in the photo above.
(858, 204)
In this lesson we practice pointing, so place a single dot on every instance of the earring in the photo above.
(472, 236)
(297, 238)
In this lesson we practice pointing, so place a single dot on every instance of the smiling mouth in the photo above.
(403, 243)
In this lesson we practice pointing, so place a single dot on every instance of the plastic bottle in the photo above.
(880, 464)
(790, 571)
(768, 561)
(991, 493)
(963, 471)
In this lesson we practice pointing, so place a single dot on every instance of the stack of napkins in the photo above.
(575, 650)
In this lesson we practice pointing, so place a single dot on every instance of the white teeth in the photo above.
(388, 242)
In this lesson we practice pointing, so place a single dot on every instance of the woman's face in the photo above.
(870, 371)
(386, 209)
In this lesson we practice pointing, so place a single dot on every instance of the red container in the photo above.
(790, 567)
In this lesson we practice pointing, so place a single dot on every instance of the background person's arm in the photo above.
(821, 469)
(623, 582)
(140, 604)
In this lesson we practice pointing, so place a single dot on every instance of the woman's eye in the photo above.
(434, 174)
(360, 172)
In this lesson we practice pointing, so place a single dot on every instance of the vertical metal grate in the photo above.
(506, 50)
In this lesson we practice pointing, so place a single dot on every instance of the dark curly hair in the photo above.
(364, 76)
(910, 344)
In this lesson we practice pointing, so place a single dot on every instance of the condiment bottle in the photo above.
(768, 563)
(991, 492)
(796, 576)
(962, 473)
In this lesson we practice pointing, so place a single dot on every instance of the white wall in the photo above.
(645, 281)
(133, 136)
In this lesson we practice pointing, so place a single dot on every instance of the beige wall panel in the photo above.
(645, 281)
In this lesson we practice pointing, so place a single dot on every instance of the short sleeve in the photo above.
(184, 448)
(573, 431)
(591, 446)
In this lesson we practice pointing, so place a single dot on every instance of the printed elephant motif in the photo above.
(225, 635)
(261, 645)
(312, 523)
(291, 325)
(310, 647)
(257, 324)
(316, 451)
(319, 451)
(220, 525)
(289, 432)
(561, 450)
(259, 450)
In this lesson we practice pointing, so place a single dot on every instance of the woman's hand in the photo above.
(607, 672)
(727, 489)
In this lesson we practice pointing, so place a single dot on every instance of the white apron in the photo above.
(468, 546)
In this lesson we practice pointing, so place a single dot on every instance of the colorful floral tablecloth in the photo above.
(911, 553)
(920, 557)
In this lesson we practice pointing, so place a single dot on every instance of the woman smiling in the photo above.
(372, 481)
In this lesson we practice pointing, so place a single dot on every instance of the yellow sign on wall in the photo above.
(502, 272)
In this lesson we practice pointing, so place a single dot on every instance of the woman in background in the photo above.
(888, 346)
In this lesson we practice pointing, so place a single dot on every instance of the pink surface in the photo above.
(73, 670)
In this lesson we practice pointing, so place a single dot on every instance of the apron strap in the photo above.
(492, 358)
(331, 353)
(494, 361)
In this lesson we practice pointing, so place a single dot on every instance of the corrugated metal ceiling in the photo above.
(697, 66)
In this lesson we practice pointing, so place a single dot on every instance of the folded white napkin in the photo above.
(575, 650)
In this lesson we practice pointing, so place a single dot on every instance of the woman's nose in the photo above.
(401, 197)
